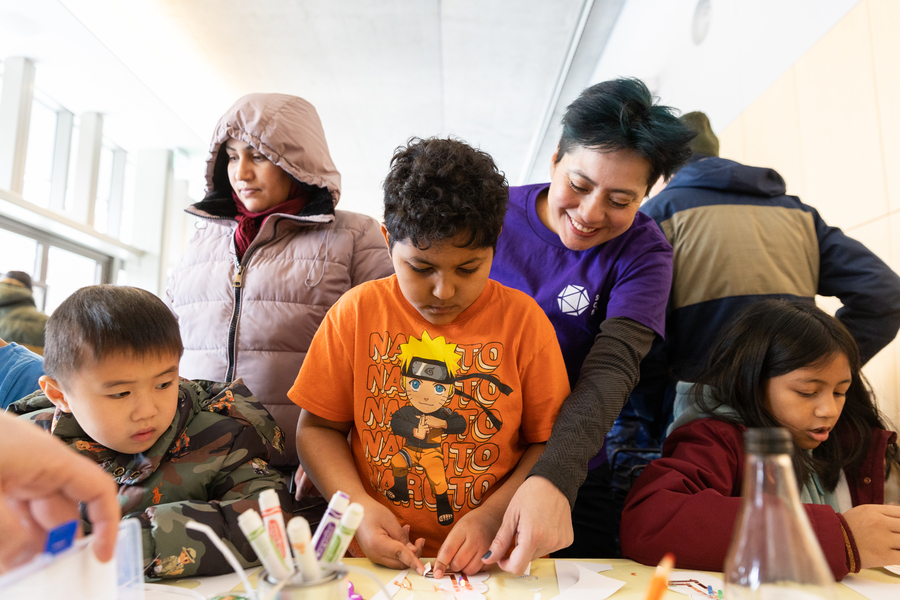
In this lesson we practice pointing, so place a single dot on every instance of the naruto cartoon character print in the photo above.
(429, 367)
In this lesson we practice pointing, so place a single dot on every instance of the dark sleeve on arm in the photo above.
(609, 373)
(868, 288)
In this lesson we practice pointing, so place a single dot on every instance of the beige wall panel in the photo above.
(881, 370)
(839, 135)
(884, 21)
(774, 139)
(731, 140)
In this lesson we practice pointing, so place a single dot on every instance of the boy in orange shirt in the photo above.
(447, 382)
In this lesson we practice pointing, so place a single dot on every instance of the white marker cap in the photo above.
(298, 529)
(268, 499)
(353, 516)
(249, 520)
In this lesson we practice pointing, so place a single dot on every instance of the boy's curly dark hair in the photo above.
(438, 189)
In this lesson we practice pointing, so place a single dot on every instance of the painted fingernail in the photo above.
(487, 555)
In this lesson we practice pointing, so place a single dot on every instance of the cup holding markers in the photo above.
(332, 586)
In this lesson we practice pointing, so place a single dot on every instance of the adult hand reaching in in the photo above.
(41, 483)
(537, 521)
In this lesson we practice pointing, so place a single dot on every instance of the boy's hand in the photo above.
(385, 542)
(467, 542)
(303, 485)
(538, 521)
(876, 529)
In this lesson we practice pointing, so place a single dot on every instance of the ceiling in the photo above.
(496, 73)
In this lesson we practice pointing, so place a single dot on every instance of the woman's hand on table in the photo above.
(385, 542)
(538, 521)
(876, 530)
(467, 542)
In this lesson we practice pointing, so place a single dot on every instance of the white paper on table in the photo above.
(76, 570)
(694, 584)
(567, 572)
(873, 590)
(392, 587)
(590, 586)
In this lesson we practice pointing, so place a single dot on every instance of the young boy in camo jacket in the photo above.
(180, 450)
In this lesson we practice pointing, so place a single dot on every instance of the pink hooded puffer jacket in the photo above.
(255, 319)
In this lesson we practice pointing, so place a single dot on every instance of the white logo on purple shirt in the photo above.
(573, 300)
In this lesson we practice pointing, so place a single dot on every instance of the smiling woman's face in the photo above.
(258, 182)
(593, 195)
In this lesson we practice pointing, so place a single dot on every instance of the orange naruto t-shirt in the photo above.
(442, 413)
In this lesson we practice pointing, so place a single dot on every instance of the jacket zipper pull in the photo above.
(239, 276)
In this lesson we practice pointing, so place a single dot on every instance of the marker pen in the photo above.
(298, 534)
(252, 525)
(329, 522)
(341, 538)
(270, 507)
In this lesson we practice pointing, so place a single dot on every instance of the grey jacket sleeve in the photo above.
(609, 373)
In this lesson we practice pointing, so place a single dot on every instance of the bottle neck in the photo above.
(770, 476)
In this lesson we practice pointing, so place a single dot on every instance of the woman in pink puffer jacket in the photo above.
(270, 254)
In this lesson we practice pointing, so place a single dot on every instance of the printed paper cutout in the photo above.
(452, 586)
(393, 586)
(696, 585)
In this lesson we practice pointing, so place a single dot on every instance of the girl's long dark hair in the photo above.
(772, 338)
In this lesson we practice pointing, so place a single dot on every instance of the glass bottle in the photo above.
(774, 553)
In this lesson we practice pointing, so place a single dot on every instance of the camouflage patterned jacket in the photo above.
(209, 466)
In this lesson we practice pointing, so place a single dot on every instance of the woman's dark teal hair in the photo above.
(620, 115)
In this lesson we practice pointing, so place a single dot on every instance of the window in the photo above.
(104, 188)
(57, 266)
(126, 229)
(39, 156)
(73, 159)
(66, 272)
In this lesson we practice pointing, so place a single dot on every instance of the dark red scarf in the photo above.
(250, 222)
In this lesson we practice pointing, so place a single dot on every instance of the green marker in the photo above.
(341, 538)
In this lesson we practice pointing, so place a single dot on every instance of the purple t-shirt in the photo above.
(628, 276)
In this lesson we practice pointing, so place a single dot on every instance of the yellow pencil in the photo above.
(661, 578)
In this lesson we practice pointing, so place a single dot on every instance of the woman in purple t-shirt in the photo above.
(602, 272)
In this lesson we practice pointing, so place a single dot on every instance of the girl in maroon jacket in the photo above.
(780, 364)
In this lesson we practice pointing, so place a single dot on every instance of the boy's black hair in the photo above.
(620, 115)
(438, 189)
(101, 320)
(771, 338)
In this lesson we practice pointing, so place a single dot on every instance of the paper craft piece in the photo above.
(895, 569)
(873, 590)
(696, 585)
(394, 585)
(590, 586)
(427, 569)
(462, 585)
(528, 569)
(567, 572)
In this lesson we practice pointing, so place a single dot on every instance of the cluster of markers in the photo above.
(312, 557)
